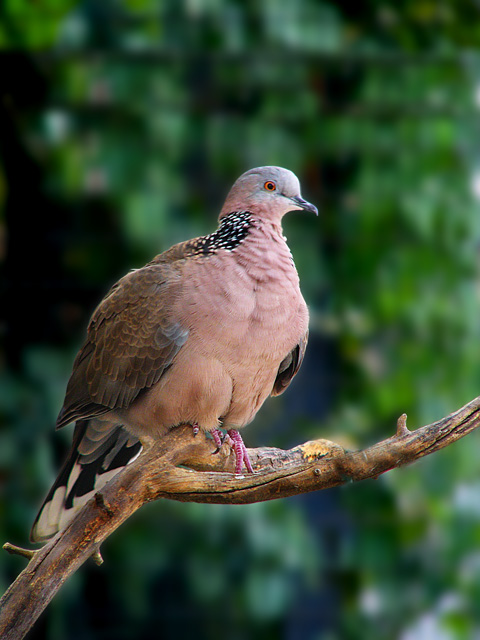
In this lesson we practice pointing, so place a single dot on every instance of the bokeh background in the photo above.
(122, 126)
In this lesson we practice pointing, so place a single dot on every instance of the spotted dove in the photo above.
(201, 335)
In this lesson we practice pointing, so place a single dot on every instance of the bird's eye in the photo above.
(270, 186)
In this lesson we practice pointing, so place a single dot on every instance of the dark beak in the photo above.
(303, 204)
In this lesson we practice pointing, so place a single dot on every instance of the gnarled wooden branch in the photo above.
(203, 477)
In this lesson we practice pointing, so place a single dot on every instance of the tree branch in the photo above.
(183, 467)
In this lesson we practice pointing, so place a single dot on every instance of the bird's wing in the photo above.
(289, 367)
(132, 339)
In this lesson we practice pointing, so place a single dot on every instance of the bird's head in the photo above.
(269, 191)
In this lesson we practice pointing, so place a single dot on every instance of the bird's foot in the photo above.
(195, 428)
(234, 440)
(218, 438)
(241, 453)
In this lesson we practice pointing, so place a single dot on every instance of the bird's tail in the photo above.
(99, 451)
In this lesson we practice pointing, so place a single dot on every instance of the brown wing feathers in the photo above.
(131, 341)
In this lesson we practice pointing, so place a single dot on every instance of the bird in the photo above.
(202, 335)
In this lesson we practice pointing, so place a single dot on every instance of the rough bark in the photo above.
(203, 477)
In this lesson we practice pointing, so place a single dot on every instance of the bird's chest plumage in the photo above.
(249, 301)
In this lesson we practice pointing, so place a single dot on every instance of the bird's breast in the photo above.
(246, 303)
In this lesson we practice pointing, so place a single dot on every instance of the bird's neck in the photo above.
(237, 227)
(266, 255)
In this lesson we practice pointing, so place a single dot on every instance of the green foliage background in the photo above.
(122, 126)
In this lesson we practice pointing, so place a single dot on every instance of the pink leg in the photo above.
(241, 454)
(218, 437)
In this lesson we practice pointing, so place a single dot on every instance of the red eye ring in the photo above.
(270, 186)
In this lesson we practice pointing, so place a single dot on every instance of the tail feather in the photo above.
(99, 451)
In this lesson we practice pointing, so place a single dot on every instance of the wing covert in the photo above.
(132, 339)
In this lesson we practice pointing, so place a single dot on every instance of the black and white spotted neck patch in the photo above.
(233, 229)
